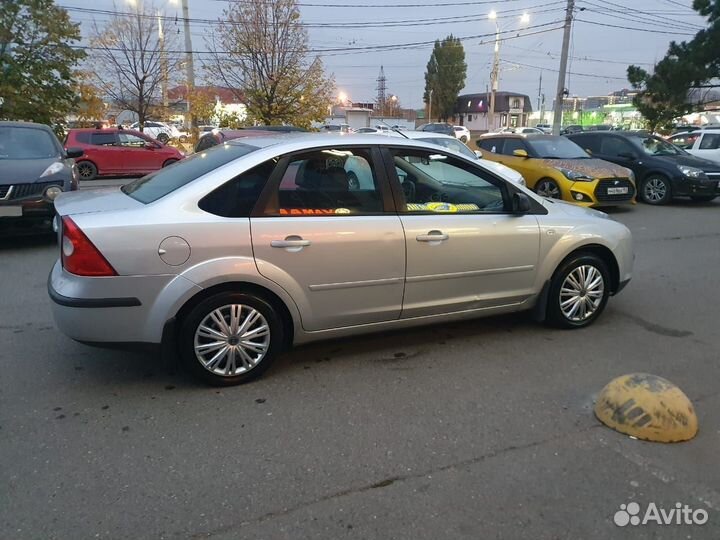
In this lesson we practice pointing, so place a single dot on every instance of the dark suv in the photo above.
(34, 170)
(662, 170)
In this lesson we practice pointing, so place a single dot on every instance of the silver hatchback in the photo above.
(236, 253)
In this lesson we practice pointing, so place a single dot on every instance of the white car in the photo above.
(160, 131)
(703, 143)
(521, 130)
(545, 128)
(462, 133)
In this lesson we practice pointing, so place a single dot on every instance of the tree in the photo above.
(665, 94)
(37, 58)
(261, 52)
(129, 60)
(89, 107)
(445, 76)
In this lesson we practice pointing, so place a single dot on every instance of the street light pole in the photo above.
(163, 64)
(560, 94)
(189, 67)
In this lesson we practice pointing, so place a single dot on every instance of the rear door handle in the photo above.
(290, 242)
(432, 236)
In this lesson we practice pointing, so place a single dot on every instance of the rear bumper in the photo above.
(114, 310)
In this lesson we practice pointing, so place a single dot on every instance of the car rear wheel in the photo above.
(230, 338)
(87, 170)
(169, 162)
(656, 190)
(548, 188)
(464, 139)
(703, 198)
(353, 182)
(163, 138)
(579, 291)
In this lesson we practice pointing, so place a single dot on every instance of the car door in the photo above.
(106, 152)
(618, 150)
(524, 165)
(465, 249)
(707, 146)
(339, 252)
(139, 153)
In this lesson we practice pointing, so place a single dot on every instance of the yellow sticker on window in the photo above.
(441, 207)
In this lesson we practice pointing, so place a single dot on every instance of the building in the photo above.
(511, 110)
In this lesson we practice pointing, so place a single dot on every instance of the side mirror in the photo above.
(627, 155)
(478, 154)
(74, 152)
(520, 153)
(520, 203)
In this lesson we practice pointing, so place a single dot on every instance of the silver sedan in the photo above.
(229, 257)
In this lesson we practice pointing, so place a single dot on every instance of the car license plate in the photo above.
(11, 211)
(617, 190)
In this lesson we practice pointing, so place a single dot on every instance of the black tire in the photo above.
(243, 372)
(169, 162)
(163, 138)
(655, 190)
(547, 187)
(703, 198)
(464, 139)
(555, 316)
(86, 170)
(353, 182)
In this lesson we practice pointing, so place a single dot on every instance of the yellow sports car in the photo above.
(558, 168)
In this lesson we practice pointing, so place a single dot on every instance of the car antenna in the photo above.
(394, 129)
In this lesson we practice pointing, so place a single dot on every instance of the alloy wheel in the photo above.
(581, 293)
(548, 189)
(84, 170)
(655, 190)
(232, 340)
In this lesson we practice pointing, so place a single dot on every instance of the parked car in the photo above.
(241, 251)
(545, 128)
(557, 168)
(281, 129)
(703, 144)
(462, 133)
(663, 170)
(598, 127)
(159, 131)
(572, 128)
(119, 152)
(338, 128)
(367, 130)
(520, 130)
(438, 127)
(34, 170)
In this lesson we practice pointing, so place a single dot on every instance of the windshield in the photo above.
(654, 146)
(451, 144)
(158, 184)
(556, 148)
(27, 143)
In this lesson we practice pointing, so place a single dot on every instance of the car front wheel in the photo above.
(579, 291)
(163, 138)
(230, 338)
(656, 190)
(548, 188)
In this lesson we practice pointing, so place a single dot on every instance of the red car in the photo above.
(117, 151)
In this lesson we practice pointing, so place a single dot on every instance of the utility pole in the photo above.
(430, 107)
(494, 76)
(163, 64)
(540, 93)
(560, 94)
(189, 69)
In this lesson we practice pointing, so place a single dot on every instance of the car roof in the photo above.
(327, 139)
(15, 123)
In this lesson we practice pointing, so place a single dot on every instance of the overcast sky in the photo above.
(607, 36)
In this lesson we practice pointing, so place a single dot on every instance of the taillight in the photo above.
(79, 255)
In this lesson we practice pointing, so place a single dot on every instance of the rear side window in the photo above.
(511, 145)
(491, 145)
(158, 184)
(103, 139)
(237, 197)
(710, 141)
(587, 142)
(83, 137)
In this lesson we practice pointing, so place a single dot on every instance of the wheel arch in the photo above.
(605, 254)
(246, 287)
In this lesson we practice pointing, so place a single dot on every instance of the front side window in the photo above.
(685, 141)
(154, 186)
(27, 143)
(556, 148)
(438, 183)
(330, 182)
(132, 141)
(490, 145)
(511, 145)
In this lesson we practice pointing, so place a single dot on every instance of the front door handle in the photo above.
(290, 242)
(432, 236)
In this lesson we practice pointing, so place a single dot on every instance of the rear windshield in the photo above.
(27, 143)
(154, 186)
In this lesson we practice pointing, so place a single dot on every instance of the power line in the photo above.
(635, 29)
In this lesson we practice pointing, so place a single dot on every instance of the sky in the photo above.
(607, 36)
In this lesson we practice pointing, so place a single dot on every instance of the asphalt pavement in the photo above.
(477, 430)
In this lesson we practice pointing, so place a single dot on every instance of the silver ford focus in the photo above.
(231, 256)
